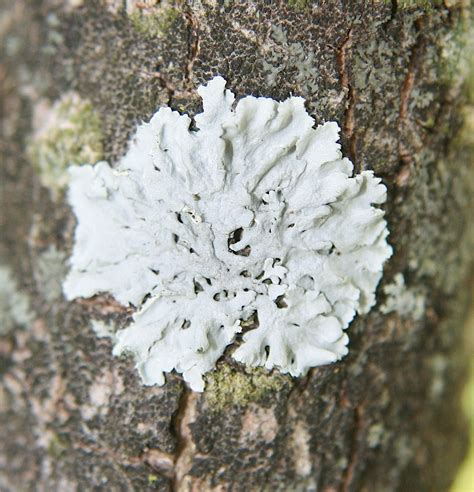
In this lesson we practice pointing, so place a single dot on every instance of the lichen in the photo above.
(435, 186)
(153, 23)
(66, 133)
(287, 62)
(438, 251)
(375, 435)
(439, 365)
(254, 215)
(407, 302)
(299, 4)
(377, 68)
(152, 478)
(56, 447)
(426, 5)
(282, 55)
(455, 49)
(50, 270)
(15, 308)
(103, 329)
(228, 386)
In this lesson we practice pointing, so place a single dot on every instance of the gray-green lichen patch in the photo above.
(154, 22)
(439, 366)
(419, 4)
(455, 52)
(395, 73)
(376, 435)
(299, 4)
(407, 302)
(54, 38)
(376, 70)
(50, 269)
(67, 133)
(436, 238)
(56, 447)
(14, 305)
(293, 56)
(439, 261)
(282, 58)
(426, 5)
(228, 386)
(439, 190)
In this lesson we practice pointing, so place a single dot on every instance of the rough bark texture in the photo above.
(385, 418)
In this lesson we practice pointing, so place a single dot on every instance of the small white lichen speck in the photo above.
(407, 302)
(254, 215)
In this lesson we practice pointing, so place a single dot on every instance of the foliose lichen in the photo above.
(102, 329)
(255, 215)
(67, 133)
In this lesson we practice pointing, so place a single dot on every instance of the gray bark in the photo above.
(385, 418)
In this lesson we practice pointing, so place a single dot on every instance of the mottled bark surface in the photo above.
(387, 417)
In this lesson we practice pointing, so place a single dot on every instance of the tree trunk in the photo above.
(385, 418)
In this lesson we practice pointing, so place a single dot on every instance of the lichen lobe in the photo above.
(253, 214)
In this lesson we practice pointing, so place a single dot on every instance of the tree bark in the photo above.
(385, 418)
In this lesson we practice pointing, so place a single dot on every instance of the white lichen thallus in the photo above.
(254, 215)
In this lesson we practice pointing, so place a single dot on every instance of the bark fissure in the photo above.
(404, 119)
(193, 44)
(159, 461)
(353, 450)
(104, 305)
(186, 447)
(348, 126)
(193, 47)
